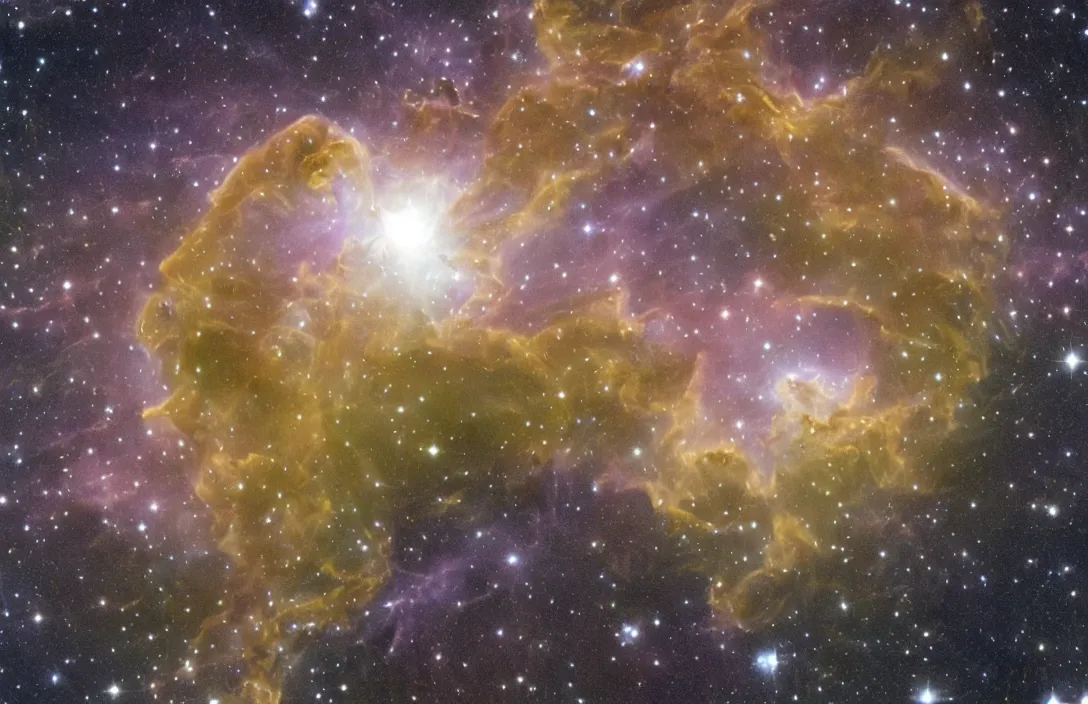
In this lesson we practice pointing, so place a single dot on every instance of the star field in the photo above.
(555, 351)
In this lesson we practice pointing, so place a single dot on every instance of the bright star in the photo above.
(1072, 360)
(767, 661)
(927, 696)
(411, 241)
(408, 231)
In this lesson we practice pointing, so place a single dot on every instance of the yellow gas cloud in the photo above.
(326, 407)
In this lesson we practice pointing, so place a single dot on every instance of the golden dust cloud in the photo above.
(326, 405)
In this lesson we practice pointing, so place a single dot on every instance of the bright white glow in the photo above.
(927, 696)
(408, 231)
(767, 661)
(629, 634)
(511, 559)
(1053, 699)
(433, 450)
(411, 243)
(1072, 361)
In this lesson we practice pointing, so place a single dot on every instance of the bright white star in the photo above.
(408, 231)
(767, 661)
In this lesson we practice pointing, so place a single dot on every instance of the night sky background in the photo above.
(118, 119)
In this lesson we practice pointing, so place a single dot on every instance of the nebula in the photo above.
(333, 409)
